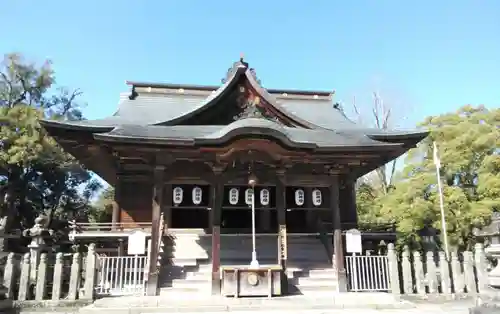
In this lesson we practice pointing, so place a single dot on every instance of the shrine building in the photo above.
(187, 160)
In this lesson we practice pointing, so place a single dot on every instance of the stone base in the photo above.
(488, 303)
(178, 303)
(485, 309)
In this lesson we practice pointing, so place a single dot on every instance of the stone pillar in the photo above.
(90, 273)
(215, 219)
(157, 201)
(394, 270)
(338, 248)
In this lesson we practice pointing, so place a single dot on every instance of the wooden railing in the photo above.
(372, 227)
(161, 230)
(108, 226)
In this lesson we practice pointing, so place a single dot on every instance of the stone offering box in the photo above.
(247, 281)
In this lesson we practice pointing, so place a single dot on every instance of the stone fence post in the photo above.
(392, 259)
(481, 268)
(90, 273)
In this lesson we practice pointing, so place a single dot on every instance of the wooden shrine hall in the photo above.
(202, 157)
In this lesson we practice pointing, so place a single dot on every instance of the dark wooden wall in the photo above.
(135, 201)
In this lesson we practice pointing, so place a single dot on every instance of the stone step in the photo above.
(312, 273)
(191, 284)
(190, 281)
(313, 282)
(314, 290)
(185, 291)
(199, 275)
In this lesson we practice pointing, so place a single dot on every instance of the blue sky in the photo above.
(425, 57)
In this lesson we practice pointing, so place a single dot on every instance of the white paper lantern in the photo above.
(317, 197)
(196, 195)
(234, 196)
(178, 195)
(248, 196)
(299, 197)
(264, 197)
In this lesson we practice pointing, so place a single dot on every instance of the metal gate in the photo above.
(122, 275)
(367, 273)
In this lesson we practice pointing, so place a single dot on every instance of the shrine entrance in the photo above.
(236, 214)
(190, 207)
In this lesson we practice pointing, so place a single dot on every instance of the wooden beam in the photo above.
(157, 201)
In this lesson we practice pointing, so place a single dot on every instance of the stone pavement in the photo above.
(369, 303)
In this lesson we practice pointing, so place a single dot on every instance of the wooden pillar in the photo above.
(310, 213)
(157, 201)
(167, 206)
(338, 249)
(121, 248)
(215, 219)
(115, 216)
(281, 208)
(352, 209)
(265, 220)
(282, 243)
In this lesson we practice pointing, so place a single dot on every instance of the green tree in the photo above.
(36, 175)
(102, 208)
(378, 183)
(468, 141)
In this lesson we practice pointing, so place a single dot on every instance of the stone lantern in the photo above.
(491, 234)
(37, 233)
(488, 303)
(429, 235)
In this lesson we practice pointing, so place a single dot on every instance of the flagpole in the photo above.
(437, 163)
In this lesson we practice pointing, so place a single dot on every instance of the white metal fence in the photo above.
(367, 273)
(122, 275)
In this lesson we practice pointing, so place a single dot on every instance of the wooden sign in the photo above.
(353, 241)
(136, 243)
(283, 243)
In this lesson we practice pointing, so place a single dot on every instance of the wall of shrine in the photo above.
(134, 200)
(191, 206)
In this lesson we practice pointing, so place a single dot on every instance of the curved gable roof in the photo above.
(155, 108)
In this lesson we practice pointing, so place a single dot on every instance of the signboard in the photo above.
(136, 243)
(353, 241)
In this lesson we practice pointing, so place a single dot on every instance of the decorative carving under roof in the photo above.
(252, 106)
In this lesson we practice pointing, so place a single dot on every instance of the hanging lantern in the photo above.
(196, 195)
(264, 197)
(299, 197)
(248, 196)
(317, 198)
(233, 196)
(178, 195)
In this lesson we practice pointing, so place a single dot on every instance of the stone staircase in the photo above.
(186, 266)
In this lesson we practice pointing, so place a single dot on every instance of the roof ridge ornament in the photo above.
(232, 70)
(236, 65)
